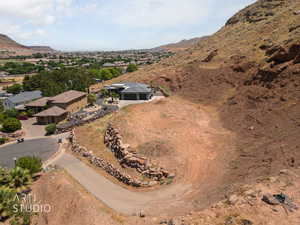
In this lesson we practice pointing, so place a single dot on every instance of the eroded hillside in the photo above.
(232, 119)
(249, 72)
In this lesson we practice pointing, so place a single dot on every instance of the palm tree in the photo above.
(3, 177)
(8, 202)
(19, 179)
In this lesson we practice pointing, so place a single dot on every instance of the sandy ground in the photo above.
(183, 137)
(72, 205)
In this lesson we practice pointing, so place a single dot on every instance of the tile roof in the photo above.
(38, 103)
(53, 111)
(67, 96)
(25, 96)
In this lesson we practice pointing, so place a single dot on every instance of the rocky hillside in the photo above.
(184, 44)
(12, 47)
(249, 71)
(7, 43)
(41, 48)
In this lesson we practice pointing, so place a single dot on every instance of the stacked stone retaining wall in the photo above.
(106, 166)
(129, 158)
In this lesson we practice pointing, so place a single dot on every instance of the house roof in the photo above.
(130, 87)
(38, 103)
(53, 111)
(108, 65)
(67, 96)
(25, 96)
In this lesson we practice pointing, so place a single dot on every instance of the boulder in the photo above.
(233, 199)
(297, 12)
(282, 55)
(211, 55)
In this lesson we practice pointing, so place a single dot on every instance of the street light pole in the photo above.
(15, 160)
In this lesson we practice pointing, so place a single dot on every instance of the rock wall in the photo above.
(106, 166)
(126, 157)
(75, 122)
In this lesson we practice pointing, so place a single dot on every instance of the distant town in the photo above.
(29, 64)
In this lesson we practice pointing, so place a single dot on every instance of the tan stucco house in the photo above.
(55, 109)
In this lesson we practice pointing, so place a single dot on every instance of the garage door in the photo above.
(130, 97)
(143, 97)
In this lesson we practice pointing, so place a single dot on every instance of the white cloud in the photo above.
(24, 19)
(17, 32)
(125, 23)
(155, 13)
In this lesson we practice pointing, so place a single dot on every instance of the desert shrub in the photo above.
(32, 163)
(3, 177)
(30, 112)
(19, 179)
(50, 129)
(2, 140)
(11, 125)
(166, 91)
(131, 68)
(92, 99)
(11, 113)
(7, 201)
(23, 116)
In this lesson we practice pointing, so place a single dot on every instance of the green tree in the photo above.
(11, 125)
(13, 113)
(105, 74)
(14, 89)
(32, 163)
(2, 117)
(1, 106)
(131, 68)
(91, 99)
(50, 129)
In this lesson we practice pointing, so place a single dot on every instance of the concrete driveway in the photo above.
(124, 103)
(41, 147)
(32, 129)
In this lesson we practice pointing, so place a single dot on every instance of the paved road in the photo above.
(41, 147)
(113, 195)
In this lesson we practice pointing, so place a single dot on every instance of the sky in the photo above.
(112, 24)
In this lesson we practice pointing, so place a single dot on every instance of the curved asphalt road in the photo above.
(41, 147)
(116, 197)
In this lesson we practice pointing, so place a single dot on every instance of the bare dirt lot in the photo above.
(181, 136)
(70, 203)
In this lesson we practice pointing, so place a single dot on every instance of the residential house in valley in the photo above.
(131, 91)
(18, 101)
(56, 109)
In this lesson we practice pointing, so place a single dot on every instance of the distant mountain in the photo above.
(41, 48)
(14, 48)
(184, 44)
(6, 43)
